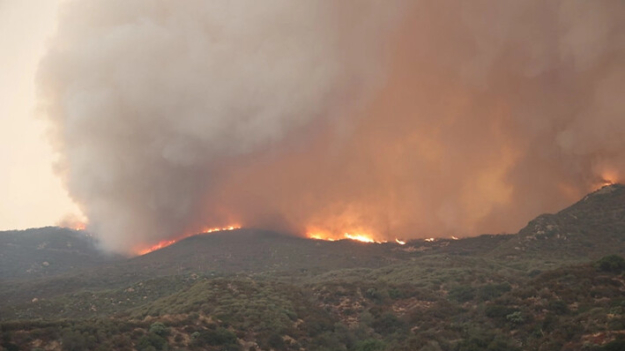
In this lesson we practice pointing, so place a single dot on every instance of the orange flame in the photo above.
(73, 222)
(329, 236)
(319, 237)
(163, 244)
(80, 226)
(212, 230)
(158, 246)
(361, 237)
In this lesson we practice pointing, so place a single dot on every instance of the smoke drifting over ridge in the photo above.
(396, 118)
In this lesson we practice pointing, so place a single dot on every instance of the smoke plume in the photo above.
(393, 118)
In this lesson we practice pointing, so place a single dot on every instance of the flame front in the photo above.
(212, 230)
(158, 246)
(165, 243)
(319, 237)
(361, 237)
(329, 236)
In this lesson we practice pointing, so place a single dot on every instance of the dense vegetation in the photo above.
(261, 291)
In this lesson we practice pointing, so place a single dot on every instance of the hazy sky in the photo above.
(31, 195)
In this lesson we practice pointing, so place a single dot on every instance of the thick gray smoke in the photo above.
(391, 118)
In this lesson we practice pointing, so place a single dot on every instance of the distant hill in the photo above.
(243, 251)
(45, 252)
(255, 251)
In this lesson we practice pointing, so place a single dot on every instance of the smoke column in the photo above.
(396, 118)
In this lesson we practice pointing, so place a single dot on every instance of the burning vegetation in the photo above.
(358, 236)
(164, 243)
(363, 238)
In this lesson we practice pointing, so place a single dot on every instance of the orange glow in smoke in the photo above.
(165, 243)
(73, 222)
(606, 178)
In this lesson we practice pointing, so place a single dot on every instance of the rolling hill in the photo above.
(591, 228)
(558, 284)
(45, 252)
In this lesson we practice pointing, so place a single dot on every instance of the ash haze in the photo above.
(395, 119)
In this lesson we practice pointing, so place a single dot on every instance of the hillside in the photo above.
(591, 228)
(251, 250)
(245, 251)
(570, 308)
(45, 252)
(558, 284)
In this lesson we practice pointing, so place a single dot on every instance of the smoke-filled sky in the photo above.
(393, 119)
(31, 195)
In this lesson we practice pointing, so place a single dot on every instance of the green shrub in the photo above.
(217, 337)
(159, 328)
(370, 345)
(388, 323)
(73, 341)
(462, 293)
(616, 345)
(491, 291)
(534, 273)
(374, 294)
(558, 307)
(611, 263)
(515, 317)
(151, 342)
(275, 341)
(499, 311)
(395, 293)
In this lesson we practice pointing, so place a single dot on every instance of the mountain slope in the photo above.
(591, 228)
(252, 250)
(46, 252)
(258, 290)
